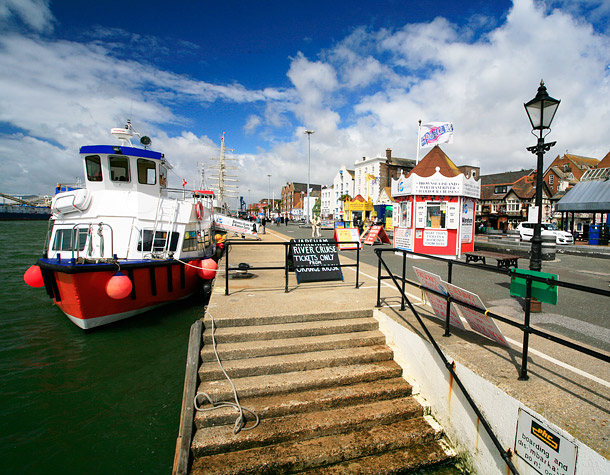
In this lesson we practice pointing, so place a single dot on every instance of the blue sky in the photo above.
(359, 74)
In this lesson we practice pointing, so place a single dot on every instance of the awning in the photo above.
(587, 196)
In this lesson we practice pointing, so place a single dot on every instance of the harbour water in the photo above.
(102, 402)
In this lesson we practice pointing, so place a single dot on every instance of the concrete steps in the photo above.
(330, 398)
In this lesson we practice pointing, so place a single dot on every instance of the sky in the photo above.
(359, 74)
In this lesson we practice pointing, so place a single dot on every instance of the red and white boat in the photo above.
(125, 243)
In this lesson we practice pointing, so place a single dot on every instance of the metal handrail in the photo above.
(524, 327)
(505, 454)
(286, 266)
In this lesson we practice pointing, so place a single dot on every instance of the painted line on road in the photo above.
(562, 364)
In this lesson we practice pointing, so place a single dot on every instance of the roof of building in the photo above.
(605, 163)
(504, 178)
(434, 159)
(587, 196)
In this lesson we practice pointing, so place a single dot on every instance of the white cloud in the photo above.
(33, 13)
(361, 96)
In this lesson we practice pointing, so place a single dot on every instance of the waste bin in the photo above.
(594, 230)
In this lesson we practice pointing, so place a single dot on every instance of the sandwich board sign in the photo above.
(374, 233)
(315, 259)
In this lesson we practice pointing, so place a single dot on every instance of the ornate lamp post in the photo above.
(541, 111)
(308, 132)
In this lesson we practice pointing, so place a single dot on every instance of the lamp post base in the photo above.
(535, 306)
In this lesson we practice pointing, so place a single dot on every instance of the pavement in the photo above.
(568, 388)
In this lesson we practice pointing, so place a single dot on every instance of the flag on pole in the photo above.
(434, 133)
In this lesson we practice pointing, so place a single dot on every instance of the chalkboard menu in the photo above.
(315, 259)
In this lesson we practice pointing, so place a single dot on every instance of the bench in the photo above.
(503, 260)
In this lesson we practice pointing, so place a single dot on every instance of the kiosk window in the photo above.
(119, 168)
(435, 215)
(147, 174)
(94, 168)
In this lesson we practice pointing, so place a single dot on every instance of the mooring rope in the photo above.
(240, 422)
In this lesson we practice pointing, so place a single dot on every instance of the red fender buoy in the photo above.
(33, 277)
(118, 286)
(208, 269)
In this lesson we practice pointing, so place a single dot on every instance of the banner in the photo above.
(434, 133)
(240, 226)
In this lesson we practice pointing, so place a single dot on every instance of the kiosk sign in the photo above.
(543, 448)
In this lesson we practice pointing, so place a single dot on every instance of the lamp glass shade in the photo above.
(541, 109)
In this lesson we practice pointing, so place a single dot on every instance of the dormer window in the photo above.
(119, 168)
(500, 189)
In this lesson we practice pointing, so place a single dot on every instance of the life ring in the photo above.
(199, 210)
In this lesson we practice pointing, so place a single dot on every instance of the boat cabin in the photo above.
(124, 168)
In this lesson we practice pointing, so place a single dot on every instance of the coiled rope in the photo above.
(240, 422)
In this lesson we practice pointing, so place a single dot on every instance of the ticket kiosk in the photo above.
(434, 207)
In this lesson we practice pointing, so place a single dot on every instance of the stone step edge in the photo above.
(294, 456)
(222, 321)
(298, 381)
(289, 330)
(305, 401)
(276, 347)
(266, 365)
(305, 426)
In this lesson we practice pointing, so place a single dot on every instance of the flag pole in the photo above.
(418, 142)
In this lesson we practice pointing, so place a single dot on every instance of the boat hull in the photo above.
(80, 290)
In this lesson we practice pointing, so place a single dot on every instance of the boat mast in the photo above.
(223, 187)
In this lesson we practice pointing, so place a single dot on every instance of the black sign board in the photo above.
(315, 259)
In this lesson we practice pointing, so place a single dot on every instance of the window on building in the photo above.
(500, 189)
(513, 205)
(551, 179)
(119, 168)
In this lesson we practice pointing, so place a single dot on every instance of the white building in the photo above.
(343, 184)
(326, 202)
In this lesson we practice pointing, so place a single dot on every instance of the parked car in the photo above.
(526, 230)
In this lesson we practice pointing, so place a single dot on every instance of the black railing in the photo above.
(286, 267)
(525, 327)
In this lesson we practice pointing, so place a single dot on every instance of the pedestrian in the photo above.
(315, 229)
(286, 220)
(263, 223)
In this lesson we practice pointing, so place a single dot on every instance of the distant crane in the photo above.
(39, 202)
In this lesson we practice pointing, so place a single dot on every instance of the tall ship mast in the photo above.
(222, 182)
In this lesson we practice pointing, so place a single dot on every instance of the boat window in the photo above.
(145, 242)
(162, 176)
(94, 168)
(147, 173)
(119, 168)
(64, 239)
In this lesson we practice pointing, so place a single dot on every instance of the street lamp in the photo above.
(308, 132)
(541, 111)
(269, 197)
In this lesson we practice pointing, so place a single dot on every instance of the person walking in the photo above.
(315, 228)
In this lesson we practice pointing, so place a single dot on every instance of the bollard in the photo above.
(549, 248)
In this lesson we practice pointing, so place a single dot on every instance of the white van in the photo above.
(526, 230)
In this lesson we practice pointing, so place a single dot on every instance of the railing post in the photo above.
(447, 318)
(526, 330)
(404, 278)
(378, 278)
(357, 264)
(286, 252)
(449, 271)
(227, 249)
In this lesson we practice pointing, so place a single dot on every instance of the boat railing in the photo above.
(287, 267)
(88, 246)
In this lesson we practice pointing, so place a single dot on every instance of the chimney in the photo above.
(388, 153)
